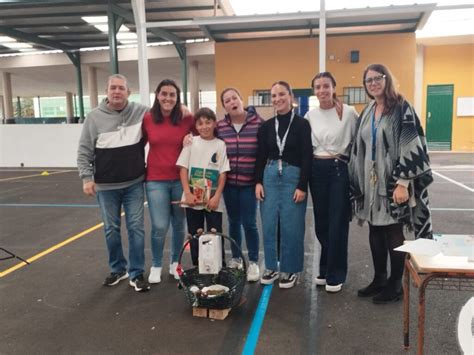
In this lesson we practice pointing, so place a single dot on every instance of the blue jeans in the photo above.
(278, 202)
(241, 206)
(159, 195)
(110, 202)
(330, 192)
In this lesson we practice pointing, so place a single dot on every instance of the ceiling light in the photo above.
(128, 41)
(6, 39)
(17, 45)
(95, 19)
(126, 35)
(102, 28)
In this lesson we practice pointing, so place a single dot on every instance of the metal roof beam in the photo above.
(27, 3)
(128, 15)
(226, 7)
(313, 26)
(181, 8)
(50, 15)
(34, 39)
(314, 15)
(207, 33)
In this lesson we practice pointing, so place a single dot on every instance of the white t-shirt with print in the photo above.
(205, 161)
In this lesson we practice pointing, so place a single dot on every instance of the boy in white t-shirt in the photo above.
(203, 166)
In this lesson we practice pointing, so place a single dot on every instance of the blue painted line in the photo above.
(257, 322)
(45, 205)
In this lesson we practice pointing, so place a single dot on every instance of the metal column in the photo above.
(140, 23)
(322, 36)
(76, 60)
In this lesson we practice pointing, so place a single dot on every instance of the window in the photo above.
(261, 98)
(354, 96)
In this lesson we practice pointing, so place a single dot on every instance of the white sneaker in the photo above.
(253, 272)
(333, 288)
(173, 271)
(155, 275)
(235, 263)
(320, 281)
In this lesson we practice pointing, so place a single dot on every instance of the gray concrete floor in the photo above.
(57, 305)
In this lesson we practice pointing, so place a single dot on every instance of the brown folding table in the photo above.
(450, 272)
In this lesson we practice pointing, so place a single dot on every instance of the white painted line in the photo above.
(446, 209)
(465, 336)
(448, 182)
(456, 170)
(453, 181)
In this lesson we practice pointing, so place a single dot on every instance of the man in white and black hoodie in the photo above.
(111, 165)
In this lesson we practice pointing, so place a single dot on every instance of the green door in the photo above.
(439, 116)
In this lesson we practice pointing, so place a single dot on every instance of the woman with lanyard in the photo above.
(165, 126)
(332, 133)
(239, 130)
(390, 173)
(282, 171)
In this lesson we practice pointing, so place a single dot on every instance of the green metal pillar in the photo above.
(112, 20)
(18, 106)
(181, 48)
(76, 60)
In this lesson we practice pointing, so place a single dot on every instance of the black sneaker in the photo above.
(373, 289)
(287, 280)
(391, 293)
(115, 277)
(269, 276)
(139, 283)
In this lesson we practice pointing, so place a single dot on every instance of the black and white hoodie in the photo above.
(111, 147)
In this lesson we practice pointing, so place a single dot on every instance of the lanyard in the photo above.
(282, 142)
(374, 133)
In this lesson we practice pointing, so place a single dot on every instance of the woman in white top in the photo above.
(333, 126)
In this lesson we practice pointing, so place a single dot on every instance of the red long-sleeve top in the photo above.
(166, 142)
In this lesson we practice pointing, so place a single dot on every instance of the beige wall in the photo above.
(452, 64)
(255, 65)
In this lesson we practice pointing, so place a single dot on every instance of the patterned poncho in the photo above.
(405, 157)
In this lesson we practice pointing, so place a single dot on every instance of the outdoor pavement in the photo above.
(57, 304)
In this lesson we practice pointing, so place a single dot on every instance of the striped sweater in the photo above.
(241, 147)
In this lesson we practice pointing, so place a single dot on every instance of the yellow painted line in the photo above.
(50, 250)
(28, 176)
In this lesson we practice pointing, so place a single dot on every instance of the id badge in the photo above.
(280, 167)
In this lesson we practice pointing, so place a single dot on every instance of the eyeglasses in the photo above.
(375, 79)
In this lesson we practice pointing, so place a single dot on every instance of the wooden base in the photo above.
(219, 314)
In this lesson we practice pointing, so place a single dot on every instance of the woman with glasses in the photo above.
(332, 133)
(282, 171)
(390, 173)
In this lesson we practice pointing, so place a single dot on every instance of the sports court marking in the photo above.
(453, 181)
(257, 322)
(51, 249)
(34, 175)
(46, 205)
(54, 247)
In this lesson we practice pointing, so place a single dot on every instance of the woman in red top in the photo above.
(165, 127)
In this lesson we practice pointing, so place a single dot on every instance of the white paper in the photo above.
(421, 246)
(446, 244)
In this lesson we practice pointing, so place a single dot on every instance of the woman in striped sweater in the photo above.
(239, 130)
